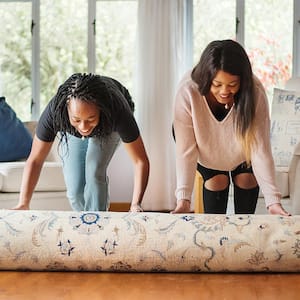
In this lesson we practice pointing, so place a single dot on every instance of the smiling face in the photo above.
(83, 116)
(224, 86)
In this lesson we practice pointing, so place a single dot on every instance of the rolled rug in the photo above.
(148, 242)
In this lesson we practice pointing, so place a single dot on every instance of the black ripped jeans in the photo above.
(215, 202)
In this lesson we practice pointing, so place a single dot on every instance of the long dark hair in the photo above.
(105, 94)
(230, 57)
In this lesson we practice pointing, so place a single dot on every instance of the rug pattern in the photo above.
(148, 242)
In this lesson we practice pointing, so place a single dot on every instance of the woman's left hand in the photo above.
(277, 209)
(136, 208)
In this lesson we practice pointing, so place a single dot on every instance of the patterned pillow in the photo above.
(15, 139)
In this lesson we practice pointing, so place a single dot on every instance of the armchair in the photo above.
(286, 142)
(294, 177)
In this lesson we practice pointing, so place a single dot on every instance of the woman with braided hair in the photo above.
(90, 114)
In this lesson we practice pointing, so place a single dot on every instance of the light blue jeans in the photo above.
(85, 164)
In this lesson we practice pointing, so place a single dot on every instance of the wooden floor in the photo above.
(144, 286)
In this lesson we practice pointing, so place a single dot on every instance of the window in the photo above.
(59, 47)
(116, 23)
(213, 20)
(15, 56)
(269, 41)
(41, 47)
(63, 51)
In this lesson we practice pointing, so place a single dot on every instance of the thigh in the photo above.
(243, 176)
(73, 154)
(100, 152)
(213, 179)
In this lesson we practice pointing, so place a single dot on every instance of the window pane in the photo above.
(116, 39)
(63, 43)
(15, 56)
(213, 20)
(269, 41)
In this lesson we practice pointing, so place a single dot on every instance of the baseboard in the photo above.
(125, 206)
(119, 206)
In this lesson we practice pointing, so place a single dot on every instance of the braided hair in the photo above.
(107, 95)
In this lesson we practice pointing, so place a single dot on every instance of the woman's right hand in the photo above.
(277, 209)
(21, 207)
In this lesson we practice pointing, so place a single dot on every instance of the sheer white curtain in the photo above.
(161, 62)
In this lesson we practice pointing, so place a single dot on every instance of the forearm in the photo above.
(141, 176)
(29, 181)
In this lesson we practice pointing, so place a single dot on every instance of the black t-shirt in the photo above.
(125, 123)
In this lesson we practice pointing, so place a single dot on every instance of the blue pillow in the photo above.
(15, 138)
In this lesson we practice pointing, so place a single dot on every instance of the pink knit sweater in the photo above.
(201, 137)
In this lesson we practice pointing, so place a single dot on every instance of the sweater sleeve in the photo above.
(186, 146)
(261, 157)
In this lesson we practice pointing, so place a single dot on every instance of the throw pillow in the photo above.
(15, 139)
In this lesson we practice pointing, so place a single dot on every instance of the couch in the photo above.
(50, 192)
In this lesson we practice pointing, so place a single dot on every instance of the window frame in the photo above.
(296, 40)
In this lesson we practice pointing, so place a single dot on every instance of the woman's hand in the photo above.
(277, 209)
(183, 206)
(136, 208)
(21, 207)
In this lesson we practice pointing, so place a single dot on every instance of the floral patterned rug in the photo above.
(148, 242)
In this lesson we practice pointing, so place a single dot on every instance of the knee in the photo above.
(217, 183)
(76, 200)
(75, 194)
(96, 179)
(96, 172)
(245, 181)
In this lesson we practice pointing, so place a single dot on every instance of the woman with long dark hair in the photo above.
(222, 129)
(90, 114)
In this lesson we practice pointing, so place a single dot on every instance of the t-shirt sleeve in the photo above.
(45, 129)
(127, 127)
(125, 123)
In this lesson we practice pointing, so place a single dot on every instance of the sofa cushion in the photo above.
(1, 181)
(51, 178)
(15, 139)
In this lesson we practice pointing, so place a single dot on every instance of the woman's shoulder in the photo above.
(262, 104)
(188, 94)
(259, 89)
(258, 84)
(186, 79)
(187, 85)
